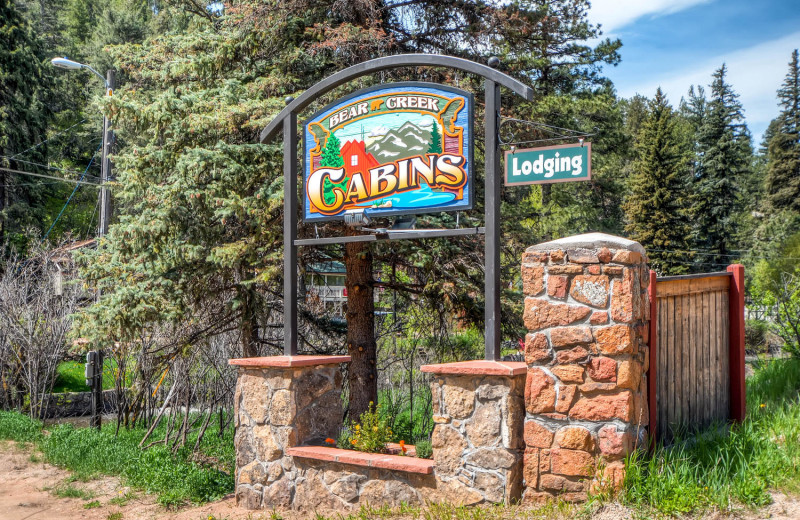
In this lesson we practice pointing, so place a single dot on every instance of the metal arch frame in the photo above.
(286, 120)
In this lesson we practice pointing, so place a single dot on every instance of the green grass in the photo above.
(175, 478)
(70, 376)
(92, 505)
(722, 468)
(67, 490)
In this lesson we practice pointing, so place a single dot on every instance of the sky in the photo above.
(677, 43)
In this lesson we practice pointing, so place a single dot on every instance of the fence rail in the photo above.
(696, 374)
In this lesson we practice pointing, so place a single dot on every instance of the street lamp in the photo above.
(108, 138)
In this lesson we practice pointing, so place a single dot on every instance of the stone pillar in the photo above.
(281, 402)
(477, 442)
(586, 310)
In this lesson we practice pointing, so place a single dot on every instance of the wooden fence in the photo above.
(696, 372)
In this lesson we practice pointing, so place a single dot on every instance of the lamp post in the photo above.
(108, 139)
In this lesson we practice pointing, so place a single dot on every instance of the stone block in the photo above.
(536, 349)
(537, 435)
(459, 397)
(598, 318)
(593, 388)
(559, 484)
(574, 463)
(604, 407)
(565, 398)
(627, 257)
(254, 394)
(609, 477)
(629, 374)
(602, 369)
(557, 286)
(491, 485)
(616, 339)
(541, 314)
(565, 269)
(568, 373)
(575, 438)
(532, 280)
(582, 256)
(252, 473)
(540, 392)
(625, 300)
(614, 443)
(591, 290)
(612, 270)
(311, 384)
(594, 269)
(267, 448)
(604, 255)
(491, 458)
(566, 336)
(248, 498)
(573, 355)
(530, 467)
(535, 257)
(282, 408)
(448, 447)
(483, 429)
(557, 255)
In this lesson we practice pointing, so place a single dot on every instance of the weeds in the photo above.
(724, 466)
(114, 516)
(70, 491)
(92, 505)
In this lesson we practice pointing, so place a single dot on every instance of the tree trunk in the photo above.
(361, 346)
(249, 326)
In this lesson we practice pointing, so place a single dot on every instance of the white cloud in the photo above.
(755, 73)
(615, 14)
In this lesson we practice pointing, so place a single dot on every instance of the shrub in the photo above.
(372, 432)
(755, 335)
(424, 449)
(18, 427)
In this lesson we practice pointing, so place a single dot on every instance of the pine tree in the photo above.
(436, 140)
(783, 149)
(656, 206)
(723, 161)
(332, 158)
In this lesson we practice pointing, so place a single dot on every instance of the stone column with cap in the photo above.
(586, 310)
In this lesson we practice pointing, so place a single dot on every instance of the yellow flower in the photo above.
(358, 427)
(763, 405)
(375, 428)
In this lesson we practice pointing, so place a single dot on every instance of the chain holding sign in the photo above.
(548, 164)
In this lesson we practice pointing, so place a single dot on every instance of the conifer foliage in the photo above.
(723, 165)
(656, 205)
(783, 151)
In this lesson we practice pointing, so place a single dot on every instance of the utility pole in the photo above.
(94, 379)
(105, 175)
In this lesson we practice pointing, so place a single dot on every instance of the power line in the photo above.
(49, 167)
(49, 139)
(77, 185)
(80, 182)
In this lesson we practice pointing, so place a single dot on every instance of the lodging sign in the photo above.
(389, 150)
(562, 163)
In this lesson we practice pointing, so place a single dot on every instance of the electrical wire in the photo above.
(49, 167)
(71, 195)
(48, 139)
(79, 182)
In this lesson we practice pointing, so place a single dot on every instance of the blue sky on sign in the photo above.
(678, 43)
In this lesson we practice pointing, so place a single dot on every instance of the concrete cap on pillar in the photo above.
(590, 241)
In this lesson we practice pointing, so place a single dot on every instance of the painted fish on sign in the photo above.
(389, 150)
(562, 163)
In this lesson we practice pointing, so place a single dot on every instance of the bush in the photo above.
(424, 449)
(756, 333)
(371, 433)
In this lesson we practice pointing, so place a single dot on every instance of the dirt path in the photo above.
(29, 490)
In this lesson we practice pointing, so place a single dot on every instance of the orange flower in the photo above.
(403, 446)
(330, 441)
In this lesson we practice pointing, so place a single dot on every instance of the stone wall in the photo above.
(276, 408)
(477, 439)
(284, 414)
(76, 404)
(586, 309)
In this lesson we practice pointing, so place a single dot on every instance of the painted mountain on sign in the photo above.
(407, 141)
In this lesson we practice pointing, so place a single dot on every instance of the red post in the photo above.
(652, 372)
(736, 346)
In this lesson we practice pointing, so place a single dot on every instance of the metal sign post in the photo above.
(287, 121)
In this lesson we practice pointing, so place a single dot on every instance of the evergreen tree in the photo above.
(436, 140)
(783, 149)
(723, 163)
(23, 123)
(332, 154)
(656, 205)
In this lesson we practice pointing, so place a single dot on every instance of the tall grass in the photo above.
(175, 478)
(722, 466)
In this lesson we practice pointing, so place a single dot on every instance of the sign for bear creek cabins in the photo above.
(393, 149)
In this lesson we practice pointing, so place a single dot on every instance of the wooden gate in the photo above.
(696, 375)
